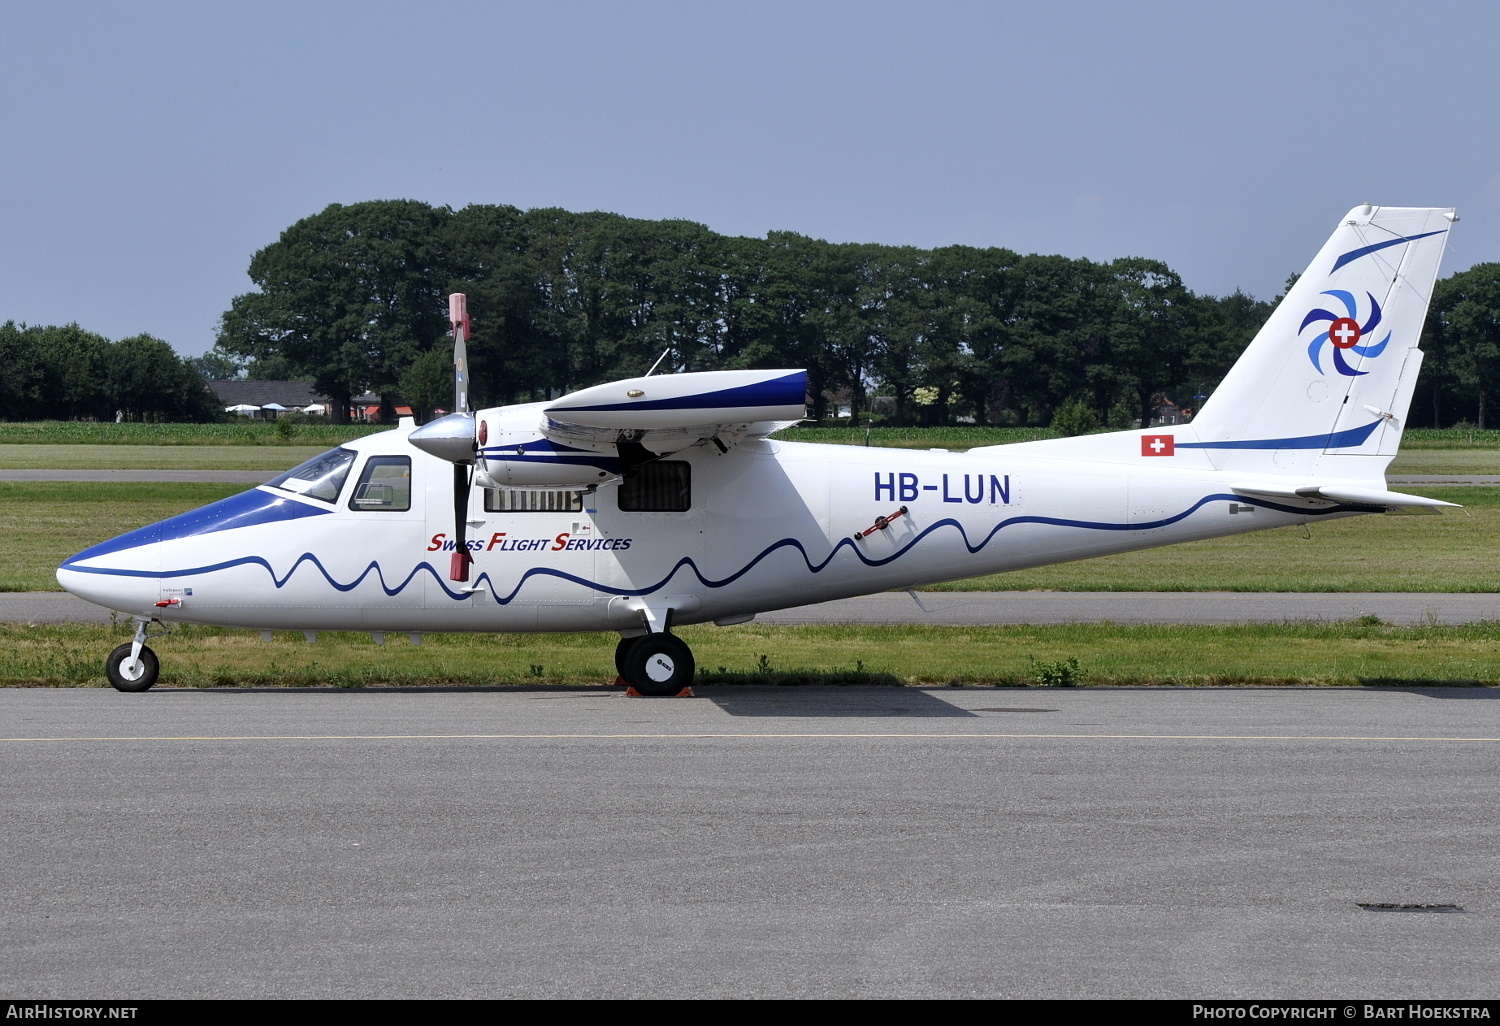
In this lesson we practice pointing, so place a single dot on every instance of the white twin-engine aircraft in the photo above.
(644, 504)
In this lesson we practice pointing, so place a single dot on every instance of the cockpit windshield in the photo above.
(320, 477)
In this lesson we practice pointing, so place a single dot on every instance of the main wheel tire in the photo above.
(659, 664)
(621, 651)
(125, 677)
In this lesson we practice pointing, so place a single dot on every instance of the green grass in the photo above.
(1338, 654)
(42, 523)
(248, 445)
(20, 456)
(1451, 438)
(156, 457)
(238, 432)
(1445, 461)
(1458, 551)
(915, 437)
(962, 437)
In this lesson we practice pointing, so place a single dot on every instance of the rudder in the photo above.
(1330, 376)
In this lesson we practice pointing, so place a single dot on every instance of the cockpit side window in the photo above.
(385, 484)
(321, 477)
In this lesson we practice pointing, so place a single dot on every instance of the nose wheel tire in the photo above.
(658, 664)
(126, 674)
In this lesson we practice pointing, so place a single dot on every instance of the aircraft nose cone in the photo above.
(124, 578)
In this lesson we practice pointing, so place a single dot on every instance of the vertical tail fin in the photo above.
(1325, 386)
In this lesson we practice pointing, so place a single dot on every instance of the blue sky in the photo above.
(148, 149)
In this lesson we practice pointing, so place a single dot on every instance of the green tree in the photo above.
(348, 297)
(1464, 322)
(146, 380)
(215, 366)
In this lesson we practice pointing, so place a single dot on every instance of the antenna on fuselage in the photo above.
(659, 359)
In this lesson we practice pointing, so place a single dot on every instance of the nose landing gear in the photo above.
(133, 666)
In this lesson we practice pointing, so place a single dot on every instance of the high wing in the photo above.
(587, 437)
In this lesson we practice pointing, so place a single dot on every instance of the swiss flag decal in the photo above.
(1156, 445)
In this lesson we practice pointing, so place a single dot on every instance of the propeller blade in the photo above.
(458, 316)
(458, 569)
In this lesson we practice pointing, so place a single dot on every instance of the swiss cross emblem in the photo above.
(1344, 332)
(1156, 445)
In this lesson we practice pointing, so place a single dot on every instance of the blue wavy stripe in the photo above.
(1355, 254)
(687, 561)
(243, 510)
(788, 390)
(1332, 440)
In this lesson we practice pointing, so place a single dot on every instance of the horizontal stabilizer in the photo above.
(1357, 494)
(686, 400)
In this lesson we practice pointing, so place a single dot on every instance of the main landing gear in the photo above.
(655, 664)
(133, 666)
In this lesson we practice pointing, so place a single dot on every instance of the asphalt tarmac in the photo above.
(807, 842)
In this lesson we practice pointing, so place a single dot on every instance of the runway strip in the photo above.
(980, 608)
(764, 735)
(752, 842)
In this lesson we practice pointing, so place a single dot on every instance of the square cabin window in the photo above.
(665, 486)
(384, 486)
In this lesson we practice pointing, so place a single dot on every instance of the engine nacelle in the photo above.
(525, 459)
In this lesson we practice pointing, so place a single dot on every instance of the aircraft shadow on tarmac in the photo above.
(833, 703)
(737, 700)
(1449, 692)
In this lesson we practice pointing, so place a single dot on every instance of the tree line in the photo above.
(353, 299)
(66, 373)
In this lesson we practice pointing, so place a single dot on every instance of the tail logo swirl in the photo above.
(1344, 332)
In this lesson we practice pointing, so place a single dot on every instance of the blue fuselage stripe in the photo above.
(1332, 440)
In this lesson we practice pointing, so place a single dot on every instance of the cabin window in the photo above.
(321, 477)
(517, 500)
(385, 485)
(664, 486)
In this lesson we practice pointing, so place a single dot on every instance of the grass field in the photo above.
(156, 457)
(250, 457)
(42, 523)
(1458, 551)
(1339, 654)
(238, 432)
(265, 433)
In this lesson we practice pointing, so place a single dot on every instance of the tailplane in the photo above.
(1323, 390)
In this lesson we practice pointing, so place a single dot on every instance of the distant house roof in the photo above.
(258, 393)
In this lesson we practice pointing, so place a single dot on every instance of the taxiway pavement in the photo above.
(750, 842)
